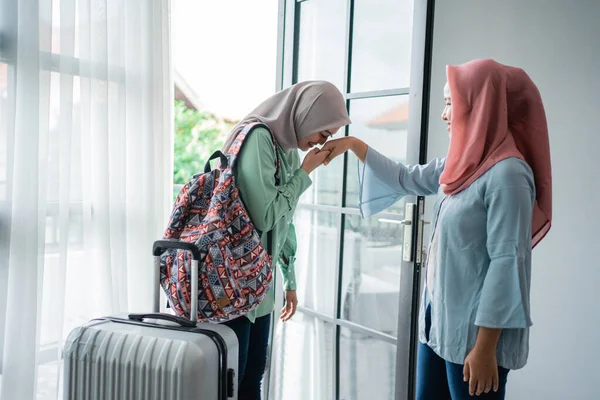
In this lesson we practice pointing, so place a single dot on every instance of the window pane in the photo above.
(65, 29)
(61, 290)
(367, 367)
(64, 128)
(303, 362)
(322, 41)
(3, 131)
(382, 123)
(317, 234)
(381, 44)
(371, 272)
(327, 183)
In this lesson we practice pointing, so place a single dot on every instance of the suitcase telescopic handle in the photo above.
(158, 248)
(186, 323)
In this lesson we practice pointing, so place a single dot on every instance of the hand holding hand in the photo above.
(314, 159)
(340, 146)
(337, 147)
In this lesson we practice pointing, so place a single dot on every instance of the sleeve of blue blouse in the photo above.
(504, 301)
(382, 182)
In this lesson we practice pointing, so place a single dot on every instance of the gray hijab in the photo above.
(296, 112)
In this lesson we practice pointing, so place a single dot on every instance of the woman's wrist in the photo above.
(487, 339)
(359, 148)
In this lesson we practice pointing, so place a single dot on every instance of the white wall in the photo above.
(555, 42)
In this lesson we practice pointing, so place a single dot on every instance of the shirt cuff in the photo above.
(374, 195)
(289, 274)
(304, 180)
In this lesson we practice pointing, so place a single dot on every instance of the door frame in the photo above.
(418, 128)
(420, 82)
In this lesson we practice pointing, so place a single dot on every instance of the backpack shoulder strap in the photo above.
(238, 143)
(235, 149)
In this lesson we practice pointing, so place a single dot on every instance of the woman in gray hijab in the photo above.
(300, 117)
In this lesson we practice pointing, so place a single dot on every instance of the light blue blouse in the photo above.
(483, 271)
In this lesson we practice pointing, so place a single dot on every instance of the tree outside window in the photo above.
(198, 134)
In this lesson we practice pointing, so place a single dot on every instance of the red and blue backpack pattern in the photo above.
(235, 270)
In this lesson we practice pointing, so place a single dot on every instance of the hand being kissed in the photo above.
(331, 150)
(314, 159)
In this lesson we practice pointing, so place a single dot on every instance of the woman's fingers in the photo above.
(316, 153)
(314, 159)
(285, 311)
(488, 386)
(337, 147)
(292, 309)
(496, 381)
(313, 152)
(320, 157)
(332, 155)
(481, 384)
(288, 310)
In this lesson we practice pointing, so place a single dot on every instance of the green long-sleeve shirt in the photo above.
(271, 207)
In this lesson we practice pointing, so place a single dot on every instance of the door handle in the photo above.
(407, 247)
(421, 252)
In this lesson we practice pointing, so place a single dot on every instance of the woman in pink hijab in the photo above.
(494, 204)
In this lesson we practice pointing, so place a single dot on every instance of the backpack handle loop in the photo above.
(216, 154)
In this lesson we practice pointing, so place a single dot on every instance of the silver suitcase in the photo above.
(152, 356)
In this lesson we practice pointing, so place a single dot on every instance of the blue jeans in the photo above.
(254, 342)
(438, 379)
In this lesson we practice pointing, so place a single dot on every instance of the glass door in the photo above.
(354, 336)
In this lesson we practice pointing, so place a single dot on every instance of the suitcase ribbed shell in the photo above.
(117, 361)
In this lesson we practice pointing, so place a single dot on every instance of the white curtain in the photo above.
(85, 172)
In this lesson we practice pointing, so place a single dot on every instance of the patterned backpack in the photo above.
(235, 270)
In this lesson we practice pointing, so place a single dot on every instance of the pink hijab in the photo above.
(497, 113)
